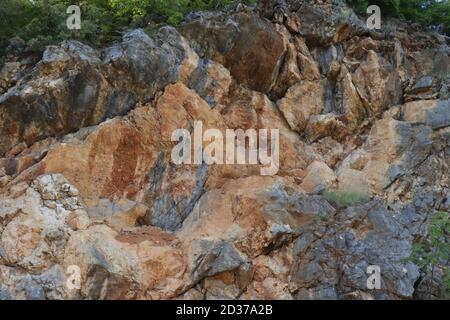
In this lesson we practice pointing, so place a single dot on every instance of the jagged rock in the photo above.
(211, 81)
(271, 276)
(34, 225)
(433, 113)
(129, 158)
(210, 258)
(308, 67)
(73, 88)
(375, 238)
(258, 213)
(150, 64)
(86, 177)
(348, 102)
(318, 177)
(290, 71)
(143, 263)
(377, 83)
(393, 149)
(235, 41)
(424, 88)
(47, 104)
(121, 214)
(325, 125)
(17, 285)
(326, 22)
(9, 75)
(302, 101)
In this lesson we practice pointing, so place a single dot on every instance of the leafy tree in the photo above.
(43, 22)
(424, 12)
(389, 7)
(434, 252)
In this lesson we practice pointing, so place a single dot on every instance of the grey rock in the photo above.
(150, 64)
(166, 210)
(340, 259)
(72, 88)
(285, 202)
(439, 116)
(424, 83)
(210, 258)
(4, 293)
(235, 40)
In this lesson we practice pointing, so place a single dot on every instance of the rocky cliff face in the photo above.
(86, 177)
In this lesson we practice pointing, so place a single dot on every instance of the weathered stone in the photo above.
(73, 88)
(138, 264)
(17, 285)
(87, 179)
(393, 149)
(235, 41)
(37, 236)
(434, 113)
(377, 84)
(302, 101)
(259, 215)
(318, 177)
(210, 258)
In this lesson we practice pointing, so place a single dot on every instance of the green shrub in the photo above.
(169, 11)
(388, 7)
(434, 251)
(424, 12)
(345, 198)
(322, 217)
(43, 22)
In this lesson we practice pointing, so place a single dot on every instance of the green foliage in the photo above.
(434, 251)
(424, 12)
(322, 217)
(430, 12)
(345, 198)
(388, 7)
(13, 14)
(169, 11)
(43, 22)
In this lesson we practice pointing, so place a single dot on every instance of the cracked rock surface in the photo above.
(86, 176)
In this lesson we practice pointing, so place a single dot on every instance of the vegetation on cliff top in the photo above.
(423, 12)
(42, 22)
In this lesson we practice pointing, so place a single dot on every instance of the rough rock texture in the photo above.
(86, 176)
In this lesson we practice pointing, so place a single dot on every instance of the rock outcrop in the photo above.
(87, 178)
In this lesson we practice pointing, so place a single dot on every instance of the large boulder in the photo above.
(393, 149)
(257, 214)
(302, 101)
(75, 86)
(37, 224)
(140, 264)
(334, 264)
(250, 47)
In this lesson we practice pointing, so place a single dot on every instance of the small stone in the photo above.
(318, 177)
(17, 149)
(5, 180)
(18, 189)
(50, 204)
(78, 220)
